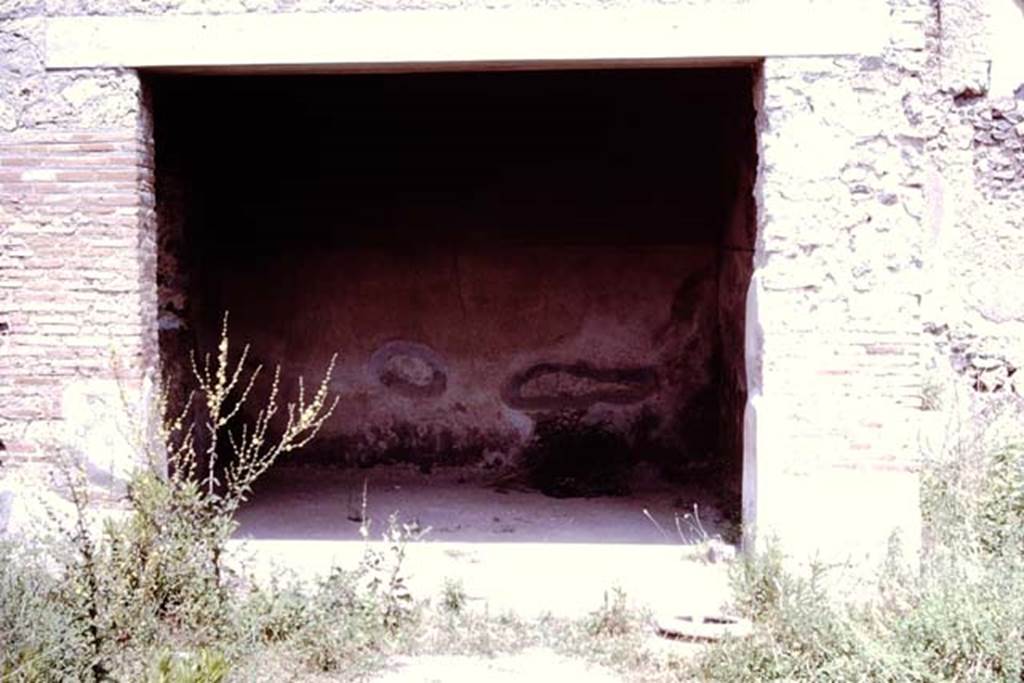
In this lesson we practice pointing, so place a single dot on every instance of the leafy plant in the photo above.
(345, 629)
(959, 617)
(159, 568)
(39, 639)
(275, 613)
(614, 618)
(453, 596)
(384, 569)
(206, 666)
(1001, 503)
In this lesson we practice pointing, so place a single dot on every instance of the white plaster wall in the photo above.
(833, 415)
(1007, 46)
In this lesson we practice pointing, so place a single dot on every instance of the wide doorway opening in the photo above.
(534, 282)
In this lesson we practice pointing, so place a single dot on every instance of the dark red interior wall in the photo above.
(532, 241)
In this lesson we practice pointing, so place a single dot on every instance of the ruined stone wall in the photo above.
(450, 355)
(975, 307)
(972, 305)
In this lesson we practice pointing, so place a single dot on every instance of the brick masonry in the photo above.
(77, 243)
(887, 267)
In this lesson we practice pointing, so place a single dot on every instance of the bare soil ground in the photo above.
(535, 664)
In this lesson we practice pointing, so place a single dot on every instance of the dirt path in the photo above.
(535, 665)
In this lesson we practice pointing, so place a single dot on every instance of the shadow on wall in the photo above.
(484, 251)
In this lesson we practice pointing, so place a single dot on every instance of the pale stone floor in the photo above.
(517, 551)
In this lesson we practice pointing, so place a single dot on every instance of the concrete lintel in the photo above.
(702, 33)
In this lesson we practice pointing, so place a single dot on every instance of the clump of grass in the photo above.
(799, 633)
(616, 636)
(691, 533)
(156, 574)
(1001, 503)
(204, 666)
(344, 629)
(613, 618)
(353, 619)
(39, 637)
(962, 620)
(453, 596)
(473, 632)
(960, 616)
(273, 614)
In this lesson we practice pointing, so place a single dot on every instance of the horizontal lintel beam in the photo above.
(709, 33)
